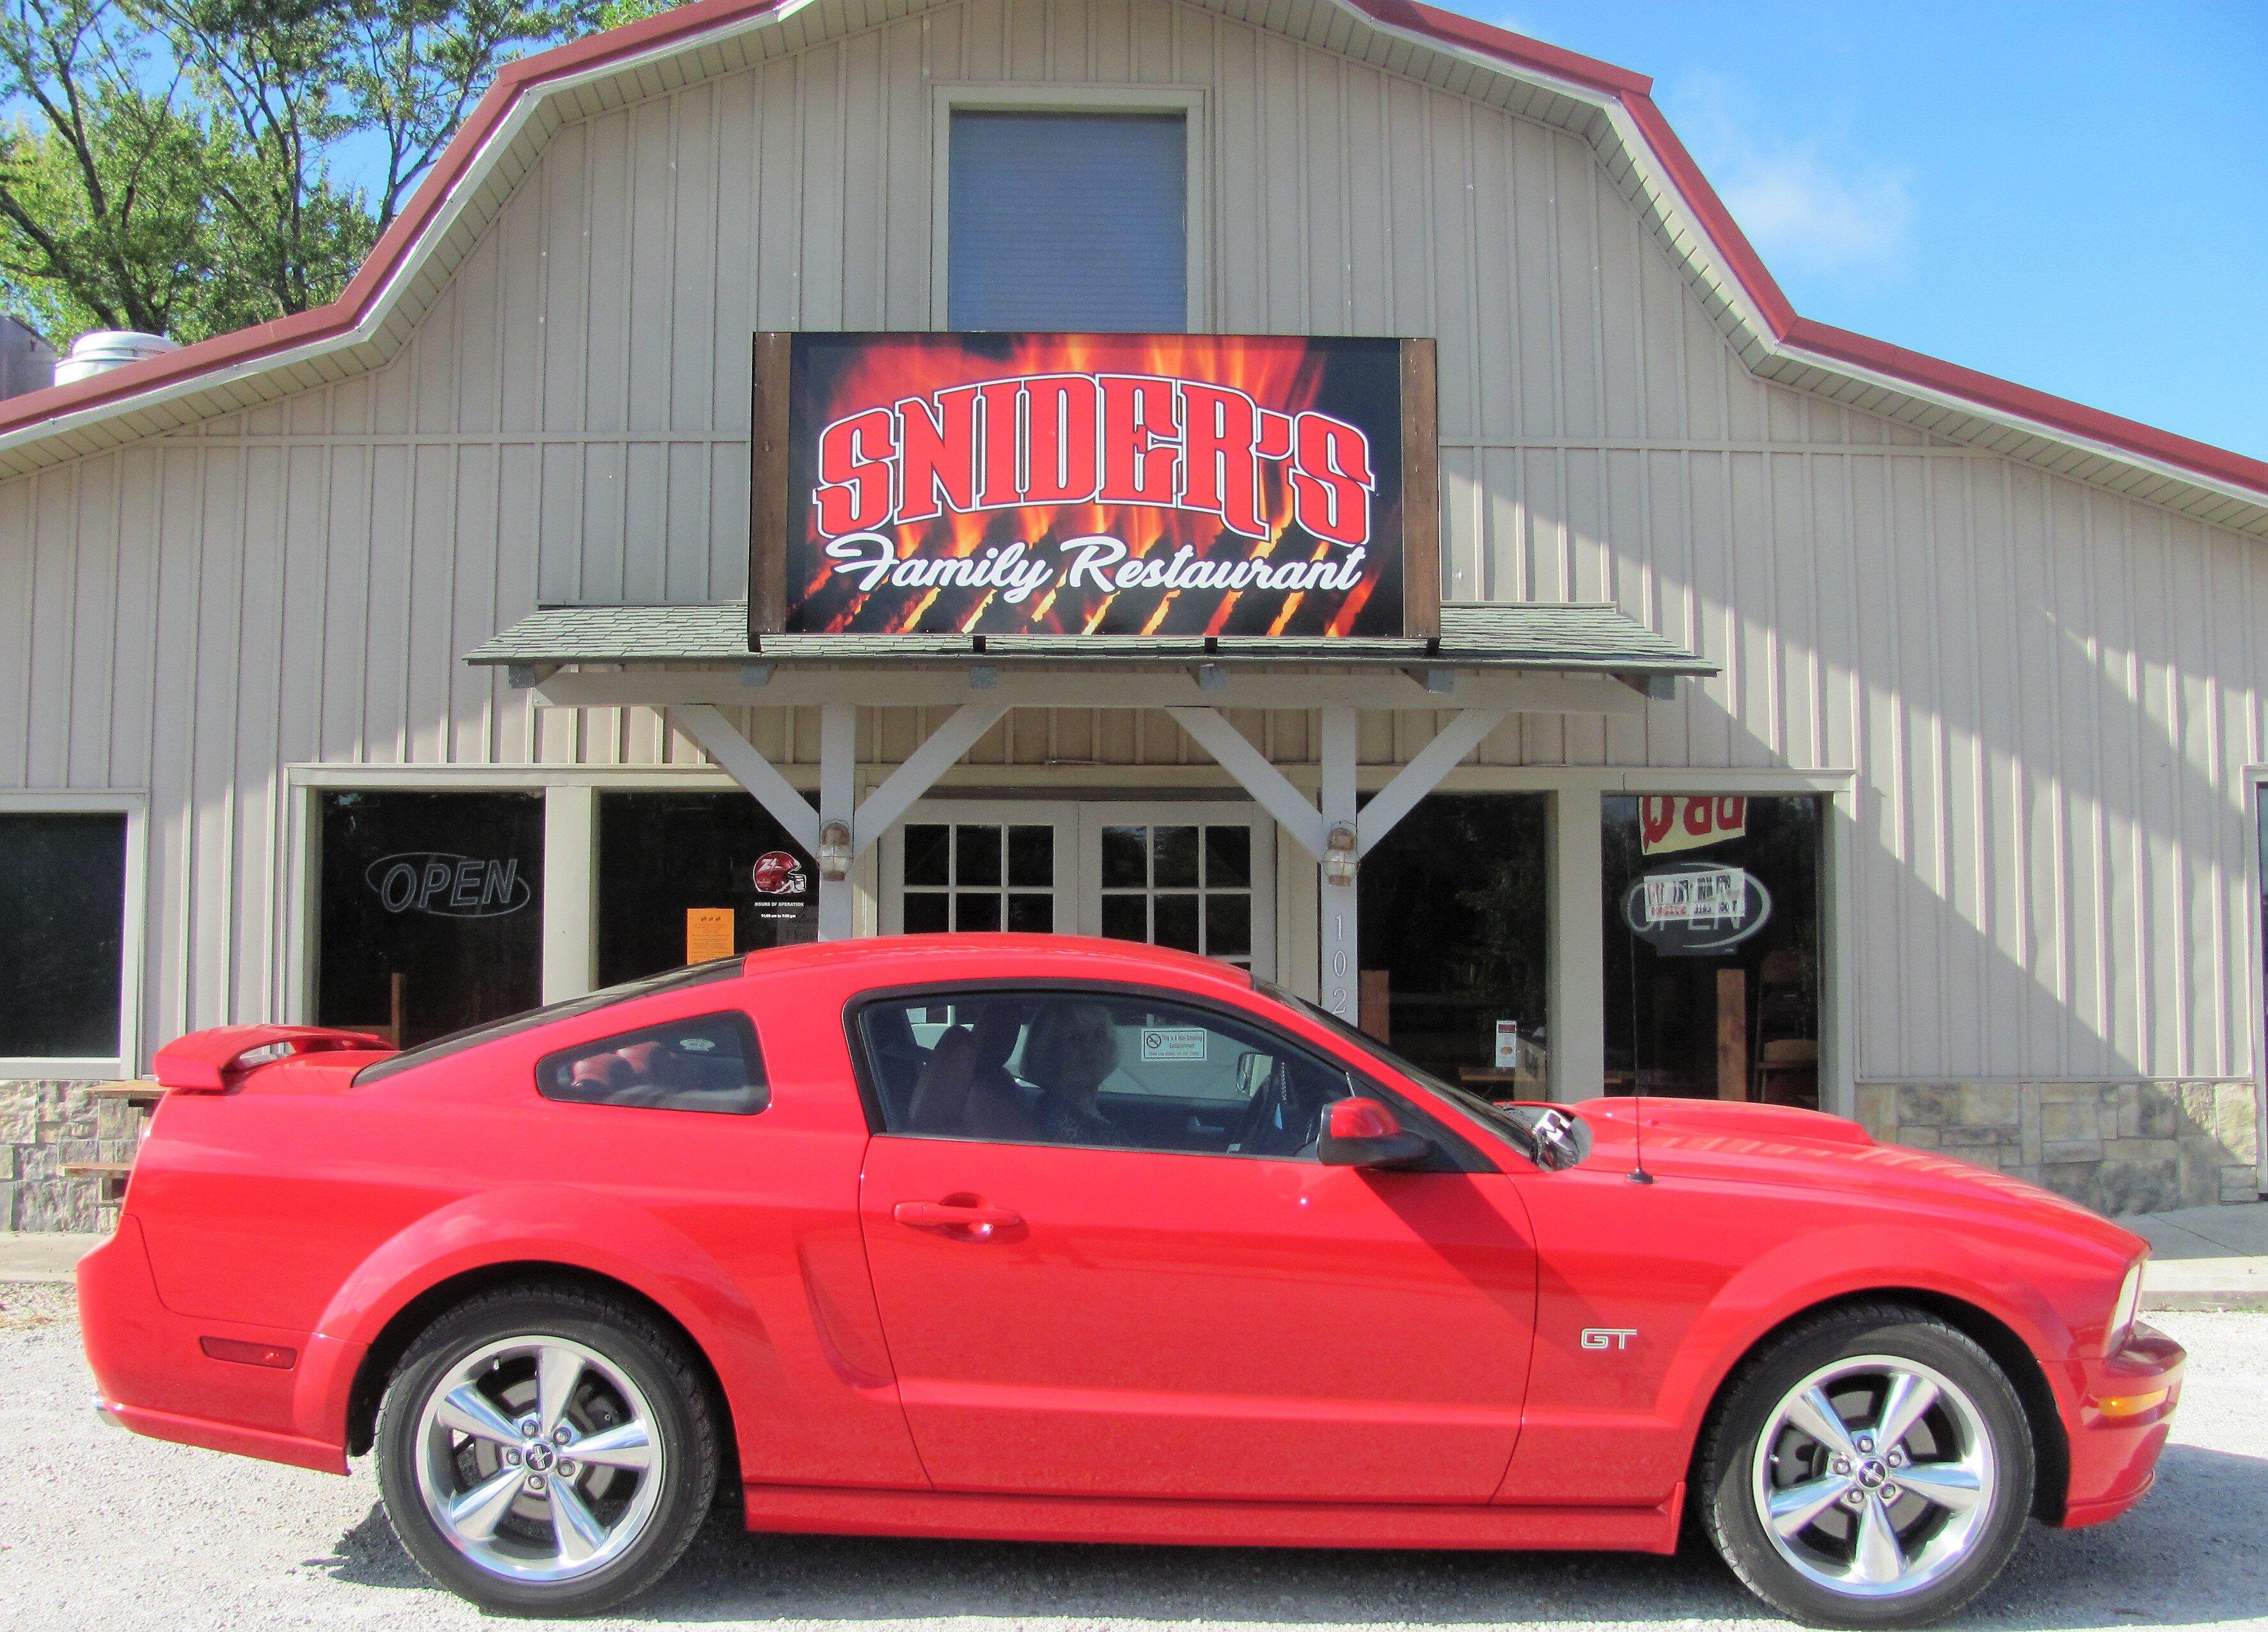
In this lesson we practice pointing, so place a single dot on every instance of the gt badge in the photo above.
(1607, 1337)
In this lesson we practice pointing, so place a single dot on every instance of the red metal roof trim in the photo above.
(1632, 90)
(245, 345)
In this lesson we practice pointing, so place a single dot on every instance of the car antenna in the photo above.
(1638, 1173)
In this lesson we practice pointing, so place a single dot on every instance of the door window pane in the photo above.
(928, 854)
(1071, 222)
(1455, 937)
(1182, 884)
(1175, 923)
(686, 876)
(1124, 866)
(1032, 855)
(430, 915)
(1174, 857)
(1712, 941)
(1094, 1069)
(1126, 918)
(1228, 925)
(1228, 857)
(63, 899)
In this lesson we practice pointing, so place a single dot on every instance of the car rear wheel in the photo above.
(547, 1451)
(1871, 1468)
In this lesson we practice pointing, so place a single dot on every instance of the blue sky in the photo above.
(2074, 196)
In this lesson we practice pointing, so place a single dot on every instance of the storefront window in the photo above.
(1455, 940)
(684, 877)
(430, 916)
(1713, 941)
(62, 896)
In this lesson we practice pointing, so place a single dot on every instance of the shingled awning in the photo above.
(1562, 637)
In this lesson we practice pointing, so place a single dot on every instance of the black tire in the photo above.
(681, 1419)
(1967, 1558)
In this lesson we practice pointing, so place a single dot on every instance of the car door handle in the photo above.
(970, 1222)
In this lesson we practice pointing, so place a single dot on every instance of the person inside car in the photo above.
(1071, 1050)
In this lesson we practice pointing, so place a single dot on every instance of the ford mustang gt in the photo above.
(1029, 1236)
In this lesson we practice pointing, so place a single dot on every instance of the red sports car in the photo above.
(1047, 1238)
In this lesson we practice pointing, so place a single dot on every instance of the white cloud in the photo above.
(1812, 208)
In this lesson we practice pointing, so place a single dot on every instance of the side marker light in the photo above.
(274, 1355)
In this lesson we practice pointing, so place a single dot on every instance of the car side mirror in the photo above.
(1365, 1132)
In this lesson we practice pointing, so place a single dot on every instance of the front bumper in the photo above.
(2126, 1405)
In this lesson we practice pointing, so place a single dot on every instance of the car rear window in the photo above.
(709, 1062)
(512, 1025)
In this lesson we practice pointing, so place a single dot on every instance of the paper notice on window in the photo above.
(1174, 1044)
(1666, 825)
(708, 933)
(1507, 1045)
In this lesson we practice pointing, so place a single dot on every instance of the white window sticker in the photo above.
(1180, 1044)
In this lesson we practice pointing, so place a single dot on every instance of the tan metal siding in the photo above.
(2049, 693)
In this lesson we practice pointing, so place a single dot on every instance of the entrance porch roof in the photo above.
(1553, 637)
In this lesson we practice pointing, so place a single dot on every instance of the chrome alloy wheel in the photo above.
(538, 1459)
(1874, 1476)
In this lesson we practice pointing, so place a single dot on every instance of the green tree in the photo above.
(172, 165)
(102, 216)
(614, 13)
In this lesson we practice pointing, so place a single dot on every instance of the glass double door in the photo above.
(1198, 876)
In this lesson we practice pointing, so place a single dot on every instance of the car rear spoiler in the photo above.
(203, 1062)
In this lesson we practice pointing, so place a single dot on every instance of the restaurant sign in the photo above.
(1093, 484)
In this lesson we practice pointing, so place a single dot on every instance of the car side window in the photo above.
(1094, 1066)
(712, 1062)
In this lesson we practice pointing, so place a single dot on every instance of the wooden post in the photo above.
(1421, 490)
(1336, 904)
(1731, 1034)
(768, 478)
(1374, 1006)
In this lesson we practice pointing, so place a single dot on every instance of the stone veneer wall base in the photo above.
(44, 1125)
(2116, 1147)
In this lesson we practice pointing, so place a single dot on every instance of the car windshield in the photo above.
(1513, 1123)
(512, 1025)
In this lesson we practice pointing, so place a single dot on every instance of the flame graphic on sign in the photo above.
(1284, 373)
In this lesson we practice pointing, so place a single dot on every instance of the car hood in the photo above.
(1806, 1150)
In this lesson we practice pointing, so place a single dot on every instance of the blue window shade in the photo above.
(1070, 221)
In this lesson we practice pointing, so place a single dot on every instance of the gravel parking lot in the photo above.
(101, 1529)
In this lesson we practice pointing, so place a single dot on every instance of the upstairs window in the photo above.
(1073, 221)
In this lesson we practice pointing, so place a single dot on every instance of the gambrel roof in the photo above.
(1608, 108)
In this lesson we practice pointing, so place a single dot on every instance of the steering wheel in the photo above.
(1267, 1105)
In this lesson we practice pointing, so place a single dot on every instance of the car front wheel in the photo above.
(1871, 1468)
(548, 1451)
